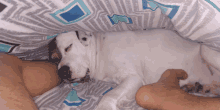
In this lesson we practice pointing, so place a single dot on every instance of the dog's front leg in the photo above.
(123, 93)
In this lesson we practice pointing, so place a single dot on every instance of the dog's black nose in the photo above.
(64, 72)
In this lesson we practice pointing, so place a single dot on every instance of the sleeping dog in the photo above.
(133, 59)
(55, 57)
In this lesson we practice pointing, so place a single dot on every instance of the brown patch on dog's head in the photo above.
(54, 53)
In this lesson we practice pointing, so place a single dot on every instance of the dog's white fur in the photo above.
(132, 59)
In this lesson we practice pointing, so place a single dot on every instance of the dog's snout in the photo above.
(64, 72)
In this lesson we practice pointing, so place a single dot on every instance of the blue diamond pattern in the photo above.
(116, 18)
(72, 14)
(153, 6)
(73, 100)
(7, 46)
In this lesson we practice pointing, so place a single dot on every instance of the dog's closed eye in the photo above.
(67, 49)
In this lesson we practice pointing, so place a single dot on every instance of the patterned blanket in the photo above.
(26, 25)
(78, 96)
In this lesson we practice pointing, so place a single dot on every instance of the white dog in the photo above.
(133, 59)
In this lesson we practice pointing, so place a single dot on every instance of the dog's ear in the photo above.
(84, 37)
(54, 53)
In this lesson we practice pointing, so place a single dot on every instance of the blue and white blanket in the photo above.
(26, 25)
(78, 96)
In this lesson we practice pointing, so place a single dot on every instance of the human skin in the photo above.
(20, 81)
(167, 95)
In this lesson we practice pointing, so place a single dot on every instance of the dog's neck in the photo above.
(93, 51)
(92, 54)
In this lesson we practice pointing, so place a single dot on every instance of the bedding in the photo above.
(78, 96)
(71, 96)
(27, 26)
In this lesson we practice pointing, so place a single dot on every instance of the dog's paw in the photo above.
(107, 105)
(193, 88)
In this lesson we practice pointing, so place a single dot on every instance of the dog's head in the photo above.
(70, 54)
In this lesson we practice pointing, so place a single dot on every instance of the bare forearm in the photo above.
(167, 95)
(208, 103)
(196, 103)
